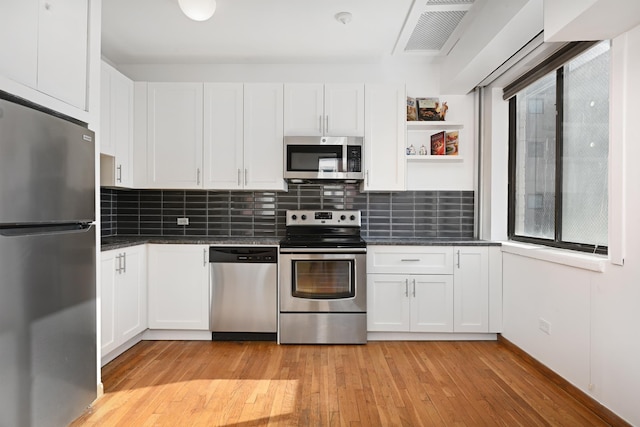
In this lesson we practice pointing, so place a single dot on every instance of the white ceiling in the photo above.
(265, 31)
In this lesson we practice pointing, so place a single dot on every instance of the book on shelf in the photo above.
(428, 109)
(412, 111)
(451, 143)
(438, 144)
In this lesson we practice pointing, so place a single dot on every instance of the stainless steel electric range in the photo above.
(323, 289)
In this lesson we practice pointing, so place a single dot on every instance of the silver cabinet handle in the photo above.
(410, 259)
(414, 288)
(198, 176)
(406, 288)
(124, 262)
(239, 177)
(118, 263)
(245, 176)
(320, 124)
(326, 126)
(367, 177)
(204, 257)
(119, 169)
(458, 253)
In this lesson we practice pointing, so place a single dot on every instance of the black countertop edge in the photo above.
(119, 242)
(431, 242)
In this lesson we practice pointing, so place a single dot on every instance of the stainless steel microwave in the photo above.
(323, 157)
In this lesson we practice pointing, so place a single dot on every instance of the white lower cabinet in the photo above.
(409, 303)
(123, 297)
(432, 289)
(471, 289)
(178, 287)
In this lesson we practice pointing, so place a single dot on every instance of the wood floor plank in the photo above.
(166, 383)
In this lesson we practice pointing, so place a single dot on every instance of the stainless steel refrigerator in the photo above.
(48, 352)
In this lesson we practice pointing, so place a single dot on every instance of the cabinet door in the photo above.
(178, 287)
(263, 137)
(431, 303)
(304, 109)
(107, 145)
(108, 275)
(223, 136)
(174, 135)
(385, 164)
(132, 294)
(344, 109)
(19, 35)
(62, 50)
(471, 289)
(388, 303)
(121, 116)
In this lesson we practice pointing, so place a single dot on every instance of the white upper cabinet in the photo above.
(214, 136)
(62, 50)
(174, 135)
(344, 109)
(223, 136)
(116, 126)
(304, 109)
(324, 110)
(107, 144)
(45, 46)
(384, 138)
(122, 128)
(263, 137)
(19, 24)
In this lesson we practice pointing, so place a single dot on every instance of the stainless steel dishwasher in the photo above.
(244, 286)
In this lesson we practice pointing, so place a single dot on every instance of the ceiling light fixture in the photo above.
(343, 17)
(198, 10)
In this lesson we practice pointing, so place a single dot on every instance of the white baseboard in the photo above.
(177, 335)
(427, 336)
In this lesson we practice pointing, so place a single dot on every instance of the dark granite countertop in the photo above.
(118, 242)
(415, 241)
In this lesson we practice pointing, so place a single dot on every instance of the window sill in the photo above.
(581, 260)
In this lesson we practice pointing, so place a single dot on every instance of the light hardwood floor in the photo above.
(178, 383)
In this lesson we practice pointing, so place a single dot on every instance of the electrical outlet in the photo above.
(544, 326)
(183, 221)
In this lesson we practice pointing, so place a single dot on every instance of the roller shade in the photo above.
(552, 63)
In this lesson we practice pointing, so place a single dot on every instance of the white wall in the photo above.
(566, 20)
(595, 316)
(421, 76)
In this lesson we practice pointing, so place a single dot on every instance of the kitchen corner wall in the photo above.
(397, 215)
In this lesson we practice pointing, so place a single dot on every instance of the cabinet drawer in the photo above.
(410, 260)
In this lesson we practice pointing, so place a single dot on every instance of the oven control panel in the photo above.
(324, 218)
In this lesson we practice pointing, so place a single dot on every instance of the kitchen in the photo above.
(593, 342)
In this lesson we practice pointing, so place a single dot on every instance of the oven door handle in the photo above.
(323, 250)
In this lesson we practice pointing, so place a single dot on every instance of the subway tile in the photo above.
(428, 214)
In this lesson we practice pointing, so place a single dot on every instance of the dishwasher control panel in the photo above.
(243, 254)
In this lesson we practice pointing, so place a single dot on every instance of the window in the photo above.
(559, 145)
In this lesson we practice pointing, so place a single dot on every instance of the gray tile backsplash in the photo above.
(408, 214)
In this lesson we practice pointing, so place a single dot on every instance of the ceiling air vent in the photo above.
(434, 28)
